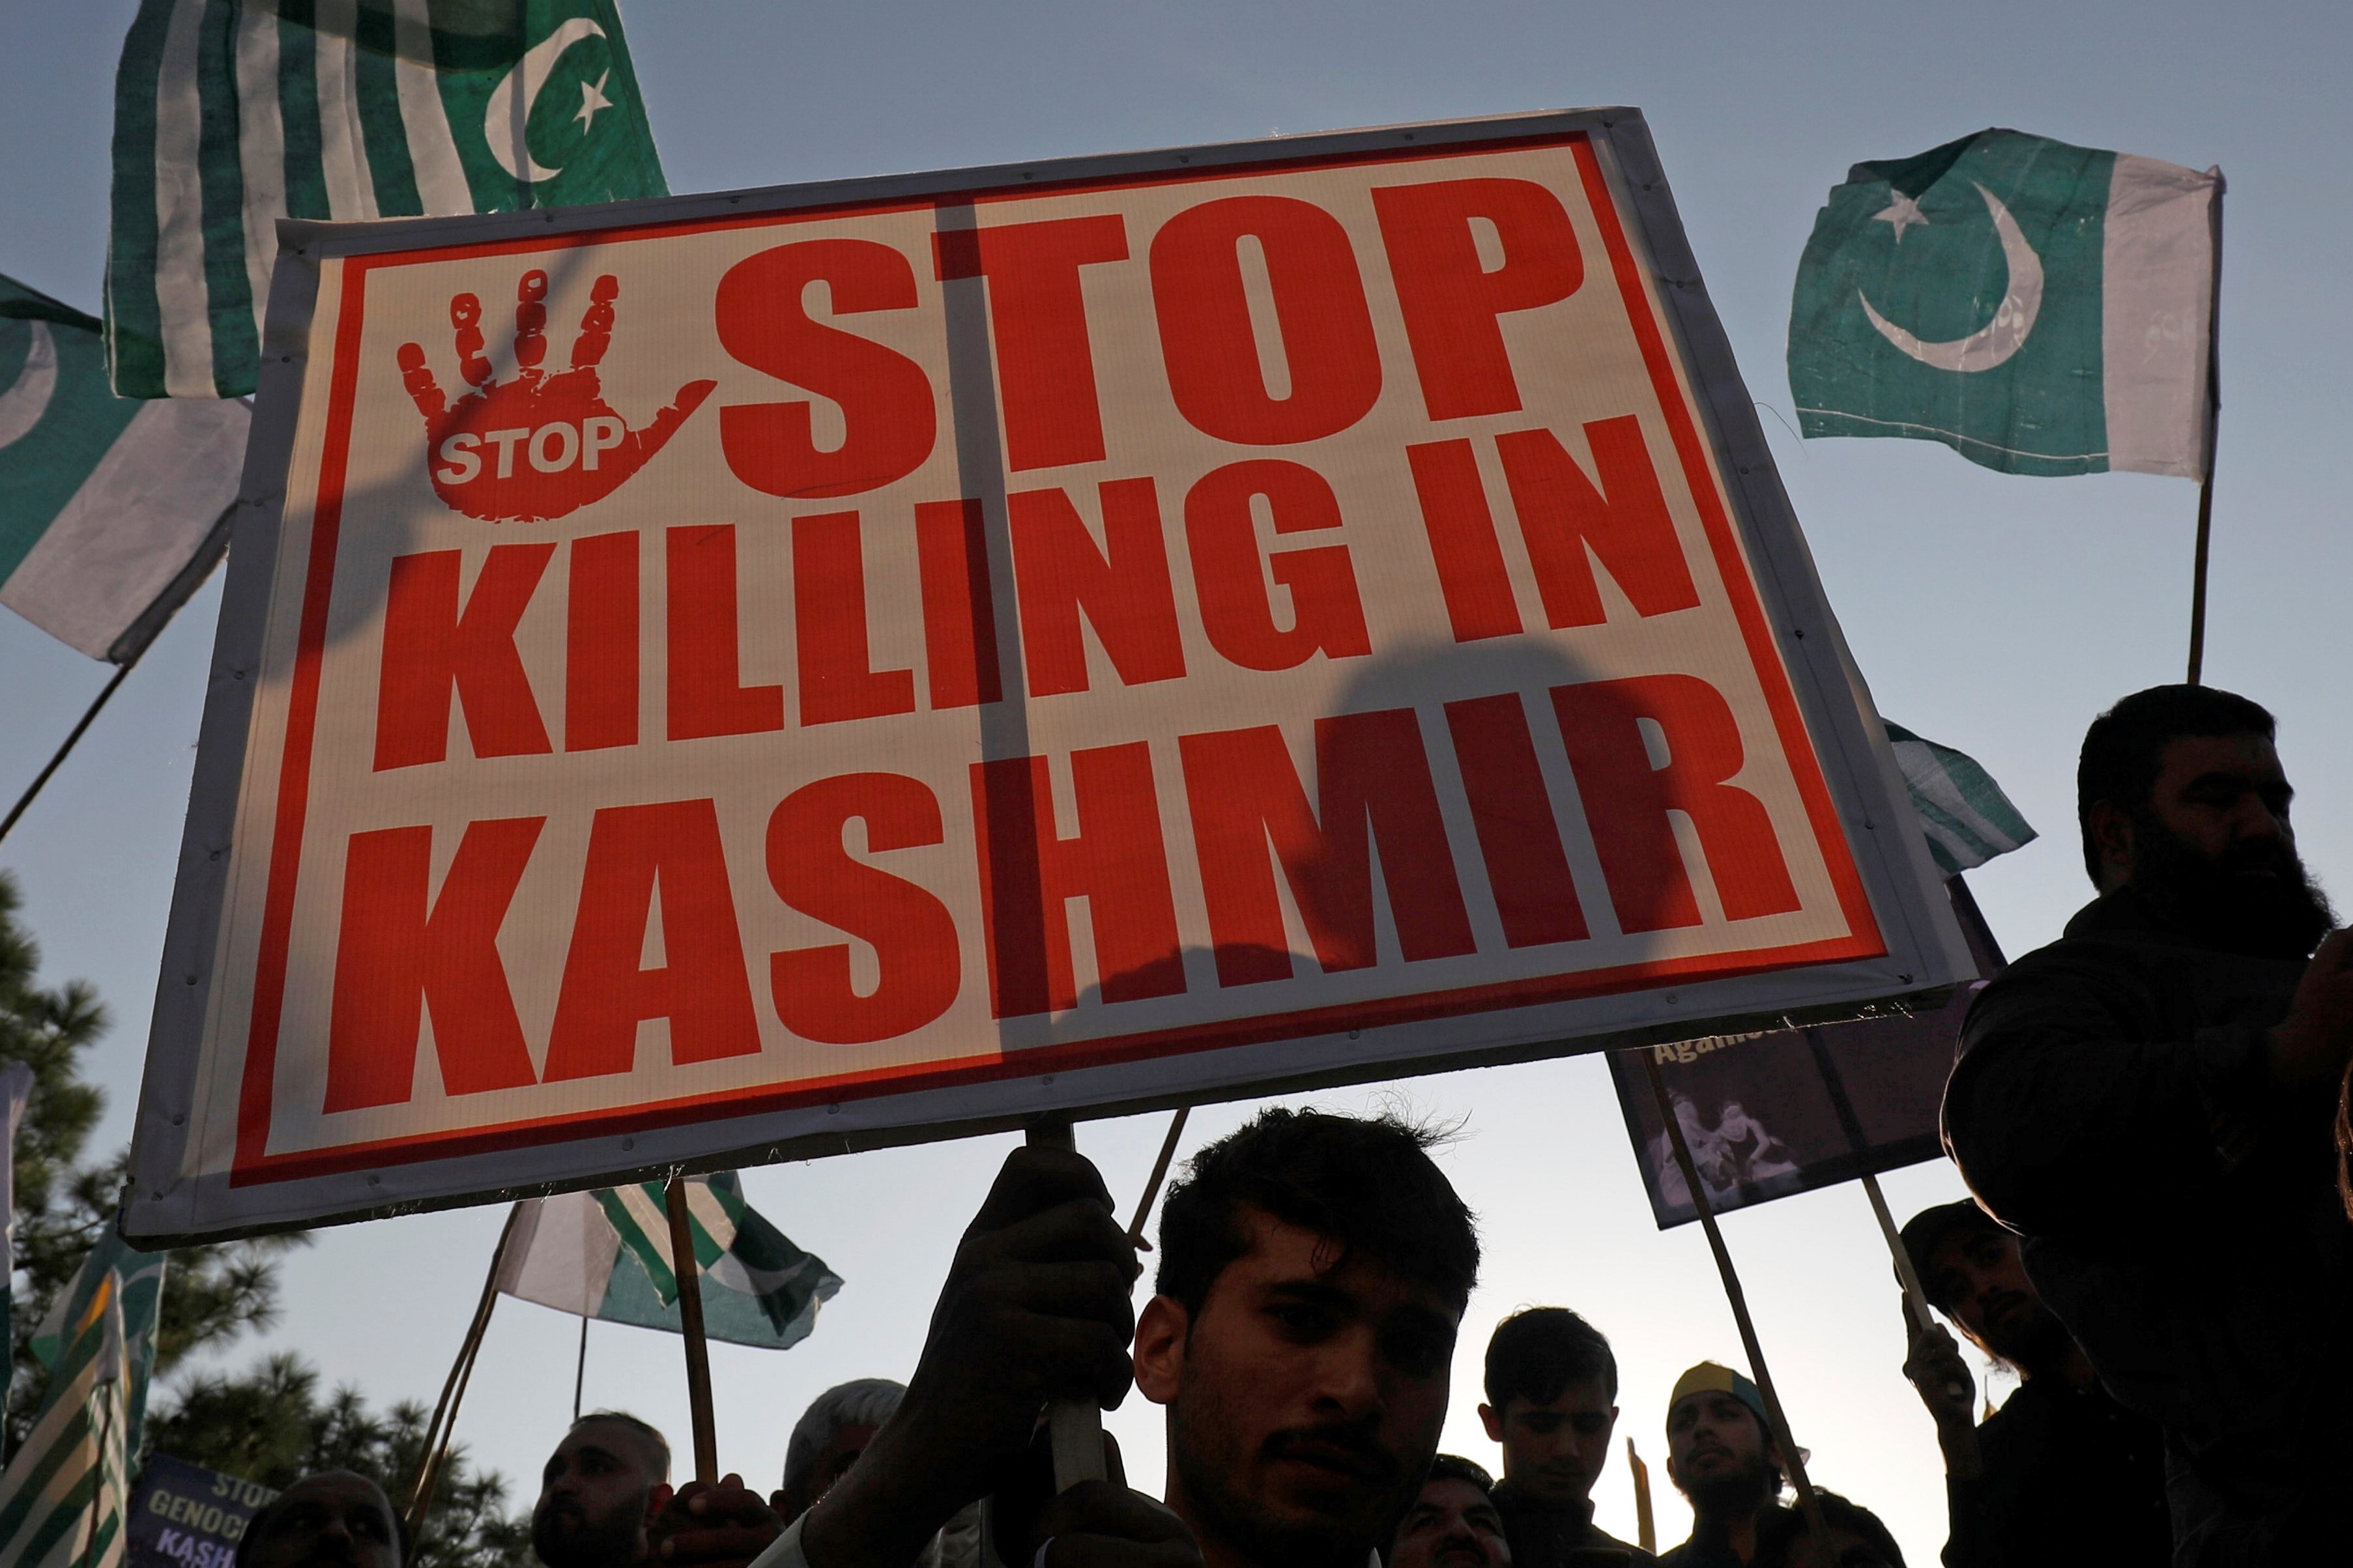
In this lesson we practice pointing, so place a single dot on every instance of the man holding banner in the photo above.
(2148, 1102)
(2062, 1474)
(1313, 1268)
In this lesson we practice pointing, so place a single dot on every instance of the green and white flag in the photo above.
(607, 1255)
(2040, 309)
(231, 114)
(111, 511)
(1968, 819)
(15, 1089)
(61, 1497)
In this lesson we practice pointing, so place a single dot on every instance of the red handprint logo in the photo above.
(538, 446)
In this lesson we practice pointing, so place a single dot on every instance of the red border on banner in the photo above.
(255, 1164)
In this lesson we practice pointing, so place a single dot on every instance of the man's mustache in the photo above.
(1349, 1447)
(2262, 857)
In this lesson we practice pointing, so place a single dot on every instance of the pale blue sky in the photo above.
(1993, 614)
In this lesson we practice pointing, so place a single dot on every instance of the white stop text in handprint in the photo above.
(538, 446)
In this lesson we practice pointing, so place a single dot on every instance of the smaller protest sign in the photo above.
(185, 1516)
(1788, 1110)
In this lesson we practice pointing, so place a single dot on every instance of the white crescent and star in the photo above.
(28, 397)
(1999, 339)
(509, 107)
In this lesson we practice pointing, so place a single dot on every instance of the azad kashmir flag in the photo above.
(1788, 1110)
(111, 511)
(61, 1497)
(2040, 309)
(231, 114)
(607, 1255)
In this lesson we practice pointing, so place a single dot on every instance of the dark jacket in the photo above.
(2112, 1104)
(1707, 1548)
(2071, 1478)
(1543, 1534)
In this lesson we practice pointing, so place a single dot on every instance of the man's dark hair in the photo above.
(1455, 1468)
(1538, 1351)
(2123, 746)
(642, 1428)
(266, 1516)
(1365, 1182)
(1780, 1530)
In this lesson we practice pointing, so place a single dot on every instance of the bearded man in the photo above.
(606, 1482)
(1722, 1457)
(2147, 1103)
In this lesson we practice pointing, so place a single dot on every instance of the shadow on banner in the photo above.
(1792, 1109)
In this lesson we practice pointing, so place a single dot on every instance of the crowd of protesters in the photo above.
(2157, 1248)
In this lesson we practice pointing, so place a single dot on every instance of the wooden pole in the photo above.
(1646, 1529)
(26, 800)
(2213, 425)
(1915, 1297)
(1159, 1175)
(689, 1273)
(453, 1389)
(1806, 1502)
(580, 1369)
(2197, 574)
(1074, 1426)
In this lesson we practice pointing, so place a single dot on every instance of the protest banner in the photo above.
(950, 650)
(186, 1515)
(1790, 1111)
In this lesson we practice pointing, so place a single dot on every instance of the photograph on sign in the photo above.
(780, 672)
(1779, 1111)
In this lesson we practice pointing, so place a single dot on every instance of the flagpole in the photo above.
(687, 1272)
(1808, 1503)
(453, 1390)
(1159, 1175)
(2214, 423)
(580, 1370)
(26, 800)
(1646, 1530)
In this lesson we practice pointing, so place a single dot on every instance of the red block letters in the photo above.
(1370, 768)
(1235, 610)
(1115, 861)
(1124, 587)
(430, 646)
(885, 398)
(913, 936)
(1627, 800)
(701, 985)
(1452, 304)
(400, 952)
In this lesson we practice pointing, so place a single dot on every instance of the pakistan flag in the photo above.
(231, 114)
(2040, 309)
